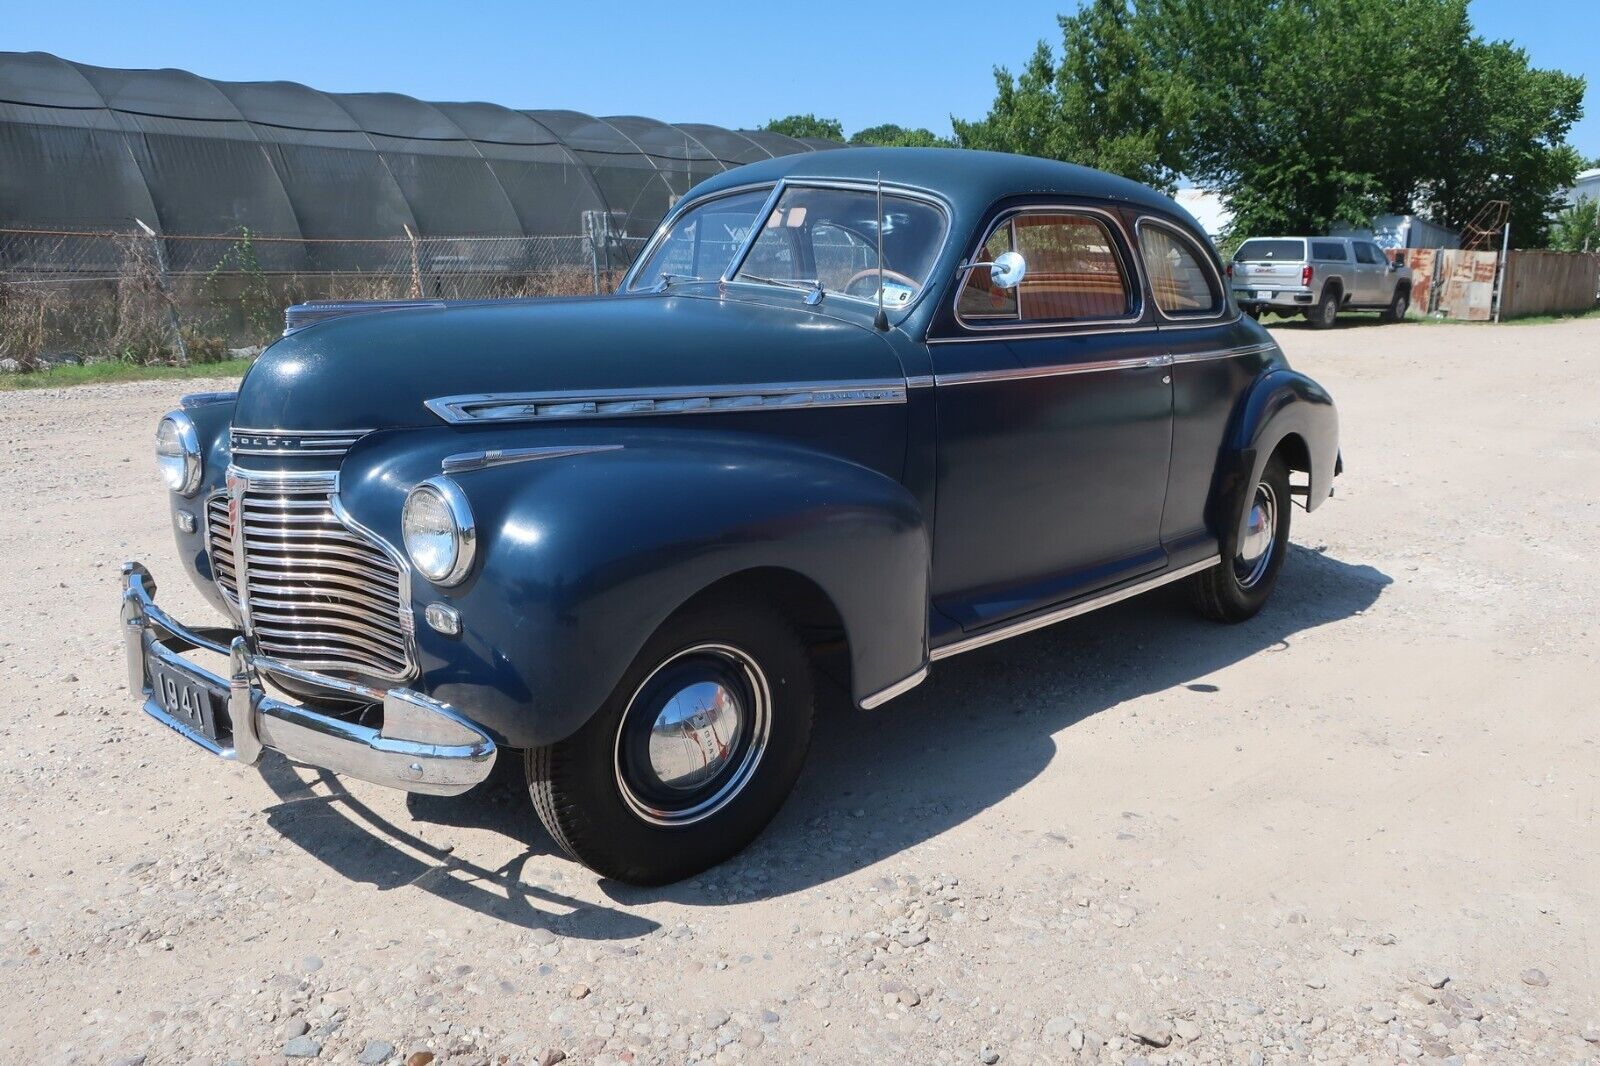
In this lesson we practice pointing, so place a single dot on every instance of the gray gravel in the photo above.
(1355, 829)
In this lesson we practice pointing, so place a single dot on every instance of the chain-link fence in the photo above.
(137, 296)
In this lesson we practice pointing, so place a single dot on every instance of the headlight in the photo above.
(438, 530)
(178, 453)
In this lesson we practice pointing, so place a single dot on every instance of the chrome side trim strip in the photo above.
(1222, 353)
(899, 688)
(1042, 334)
(919, 381)
(1071, 610)
(1022, 373)
(464, 461)
(694, 399)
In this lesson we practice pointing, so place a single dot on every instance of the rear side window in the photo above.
(1180, 279)
(1270, 251)
(1074, 273)
(1329, 252)
(1366, 253)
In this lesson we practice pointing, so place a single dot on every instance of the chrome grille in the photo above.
(219, 542)
(318, 591)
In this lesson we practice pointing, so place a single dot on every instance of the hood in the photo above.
(376, 371)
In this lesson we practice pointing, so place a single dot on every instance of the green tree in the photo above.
(808, 125)
(1105, 104)
(1577, 227)
(1301, 113)
(893, 136)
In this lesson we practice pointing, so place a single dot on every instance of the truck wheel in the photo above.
(1253, 310)
(1235, 589)
(1396, 311)
(1326, 312)
(692, 754)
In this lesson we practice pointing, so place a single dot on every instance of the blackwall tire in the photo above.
(1396, 311)
(1326, 312)
(694, 752)
(1238, 587)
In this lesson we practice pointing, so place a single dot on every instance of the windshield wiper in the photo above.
(664, 280)
(811, 286)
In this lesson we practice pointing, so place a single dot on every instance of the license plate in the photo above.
(1263, 294)
(188, 698)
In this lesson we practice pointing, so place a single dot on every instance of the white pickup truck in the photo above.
(1319, 276)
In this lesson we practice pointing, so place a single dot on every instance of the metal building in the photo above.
(89, 148)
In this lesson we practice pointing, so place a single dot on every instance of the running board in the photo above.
(1071, 610)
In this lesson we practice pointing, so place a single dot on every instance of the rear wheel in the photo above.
(1398, 306)
(1326, 312)
(1235, 589)
(1253, 310)
(693, 753)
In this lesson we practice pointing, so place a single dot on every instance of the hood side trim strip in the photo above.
(693, 399)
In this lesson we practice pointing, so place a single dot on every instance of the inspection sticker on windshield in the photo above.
(894, 293)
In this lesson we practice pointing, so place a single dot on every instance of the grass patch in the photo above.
(57, 377)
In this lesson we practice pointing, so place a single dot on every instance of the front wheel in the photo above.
(1235, 589)
(693, 753)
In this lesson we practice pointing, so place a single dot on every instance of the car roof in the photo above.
(969, 180)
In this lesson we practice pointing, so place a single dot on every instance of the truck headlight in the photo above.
(178, 453)
(439, 534)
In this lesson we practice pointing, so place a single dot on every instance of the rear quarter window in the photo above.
(1270, 251)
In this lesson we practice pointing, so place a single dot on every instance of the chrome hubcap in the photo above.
(693, 734)
(1260, 536)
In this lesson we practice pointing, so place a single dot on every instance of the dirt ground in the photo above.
(1361, 826)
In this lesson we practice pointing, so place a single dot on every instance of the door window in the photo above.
(1366, 253)
(1329, 251)
(1179, 279)
(1074, 273)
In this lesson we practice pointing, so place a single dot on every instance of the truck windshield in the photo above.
(1270, 251)
(703, 241)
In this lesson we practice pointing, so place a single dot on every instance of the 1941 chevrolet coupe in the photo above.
(871, 407)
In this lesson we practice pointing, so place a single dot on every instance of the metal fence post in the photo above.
(166, 290)
(416, 264)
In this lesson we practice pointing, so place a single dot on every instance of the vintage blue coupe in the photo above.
(873, 407)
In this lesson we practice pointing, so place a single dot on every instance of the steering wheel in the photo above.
(872, 273)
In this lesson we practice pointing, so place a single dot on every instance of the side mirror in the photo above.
(1008, 270)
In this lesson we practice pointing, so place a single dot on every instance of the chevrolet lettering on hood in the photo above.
(848, 414)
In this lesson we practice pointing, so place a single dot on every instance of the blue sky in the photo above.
(732, 64)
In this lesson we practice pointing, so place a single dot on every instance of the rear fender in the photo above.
(1280, 405)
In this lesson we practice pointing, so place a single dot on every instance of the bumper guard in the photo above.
(422, 746)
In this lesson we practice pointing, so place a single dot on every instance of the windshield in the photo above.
(704, 240)
(827, 240)
(1270, 251)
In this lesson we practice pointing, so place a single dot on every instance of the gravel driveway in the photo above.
(1361, 825)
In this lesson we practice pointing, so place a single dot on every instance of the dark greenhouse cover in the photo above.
(92, 148)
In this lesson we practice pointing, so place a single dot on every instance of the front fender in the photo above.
(582, 557)
(1280, 404)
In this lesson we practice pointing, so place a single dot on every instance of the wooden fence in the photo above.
(1546, 283)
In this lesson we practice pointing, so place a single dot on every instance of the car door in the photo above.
(1054, 419)
(1371, 273)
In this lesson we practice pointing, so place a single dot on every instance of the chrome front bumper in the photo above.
(422, 746)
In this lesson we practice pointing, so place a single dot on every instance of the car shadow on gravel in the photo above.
(357, 842)
(985, 724)
(876, 782)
